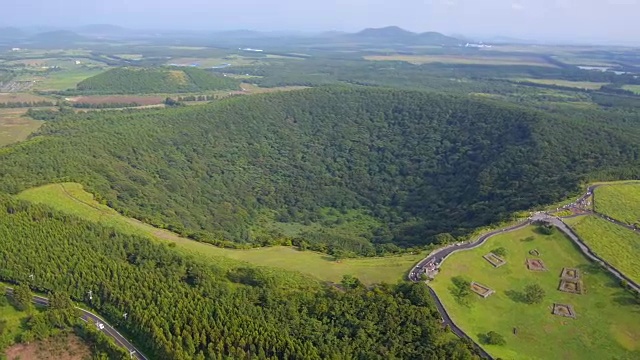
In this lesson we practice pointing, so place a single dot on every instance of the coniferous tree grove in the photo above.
(182, 309)
(155, 80)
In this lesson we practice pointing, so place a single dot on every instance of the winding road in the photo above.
(107, 329)
(434, 260)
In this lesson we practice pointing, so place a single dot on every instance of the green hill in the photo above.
(376, 168)
(156, 80)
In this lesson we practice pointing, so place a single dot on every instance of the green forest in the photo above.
(181, 309)
(420, 164)
(155, 80)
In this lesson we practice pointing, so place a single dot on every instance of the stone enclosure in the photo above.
(564, 310)
(570, 281)
(536, 265)
(494, 259)
(481, 289)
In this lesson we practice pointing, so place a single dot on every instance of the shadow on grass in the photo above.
(528, 239)
(626, 298)
(483, 339)
(595, 269)
(516, 296)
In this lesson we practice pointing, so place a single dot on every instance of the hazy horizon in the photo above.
(544, 20)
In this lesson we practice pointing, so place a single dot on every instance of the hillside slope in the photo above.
(183, 309)
(418, 164)
(157, 80)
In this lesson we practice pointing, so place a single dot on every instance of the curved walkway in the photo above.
(434, 260)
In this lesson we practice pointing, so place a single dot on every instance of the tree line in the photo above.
(153, 80)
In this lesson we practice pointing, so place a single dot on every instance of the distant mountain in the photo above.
(389, 32)
(398, 35)
(57, 37)
(241, 34)
(11, 33)
(436, 38)
(101, 29)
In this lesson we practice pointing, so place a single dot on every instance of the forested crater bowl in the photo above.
(344, 170)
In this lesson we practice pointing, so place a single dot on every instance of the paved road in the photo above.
(435, 259)
(88, 316)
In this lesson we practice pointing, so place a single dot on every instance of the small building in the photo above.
(15, 49)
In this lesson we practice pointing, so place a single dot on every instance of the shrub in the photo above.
(493, 338)
(502, 252)
(533, 294)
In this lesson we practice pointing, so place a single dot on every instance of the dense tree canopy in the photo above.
(181, 309)
(420, 164)
(155, 80)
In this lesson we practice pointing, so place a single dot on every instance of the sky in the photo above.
(560, 20)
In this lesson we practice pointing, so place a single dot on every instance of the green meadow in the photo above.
(607, 325)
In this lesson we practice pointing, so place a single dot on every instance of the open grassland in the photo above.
(234, 60)
(255, 89)
(60, 80)
(120, 99)
(22, 97)
(66, 79)
(130, 56)
(71, 198)
(459, 59)
(15, 127)
(619, 201)
(634, 88)
(558, 82)
(607, 325)
(615, 244)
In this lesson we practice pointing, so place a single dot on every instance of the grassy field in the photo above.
(60, 80)
(615, 244)
(254, 89)
(22, 97)
(14, 127)
(457, 59)
(108, 99)
(607, 324)
(619, 201)
(566, 83)
(71, 198)
(234, 60)
(14, 319)
(634, 88)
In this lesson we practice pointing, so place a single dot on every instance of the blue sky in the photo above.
(615, 20)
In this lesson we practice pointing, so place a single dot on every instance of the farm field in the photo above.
(71, 198)
(14, 127)
(142, 100)
(566, 83)
(607, 324)
(61, 80)
(255, 89)
(457, 59)
(634, 88)
(615, 244)
(215, 61)
(619, 201)
(22, 97)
